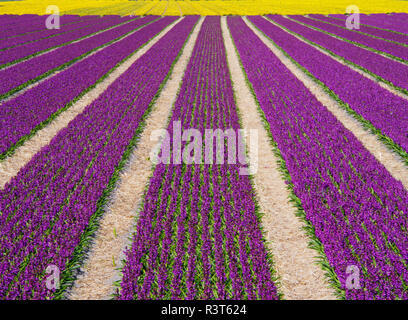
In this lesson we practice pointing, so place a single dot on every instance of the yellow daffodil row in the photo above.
(187, 7)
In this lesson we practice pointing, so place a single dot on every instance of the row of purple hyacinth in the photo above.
(20, 52)
(384, 34)
(359, 211)
(48, 205)
(385, 110)
(25, 71)
(45, 33)
(388, 69)
(198, 235)
(20, 115)
(393, 49)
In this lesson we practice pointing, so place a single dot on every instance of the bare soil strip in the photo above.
(12, 165)
(101, 268)
(299, 276)
(363, 73)
(390, 160)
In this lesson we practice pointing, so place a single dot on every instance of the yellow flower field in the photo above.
(186, 7)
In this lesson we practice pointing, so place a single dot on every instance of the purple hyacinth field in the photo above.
(167, 157)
